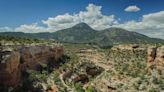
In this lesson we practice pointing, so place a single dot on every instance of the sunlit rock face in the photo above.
(160, 57)
(31, 57)
(13, 62)
(151, 55)
(155, 59)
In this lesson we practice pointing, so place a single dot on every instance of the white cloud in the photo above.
(132, 8)
(92, 16)
(32, 28)
(151, 24)
(60, 22)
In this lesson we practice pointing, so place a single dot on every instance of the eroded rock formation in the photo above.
(9, 68)
(155, 59)
(14, 62)
(32, 57)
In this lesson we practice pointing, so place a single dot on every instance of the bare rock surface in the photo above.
(9, 68)
(155, 58)
(13, 62)
(35, 55)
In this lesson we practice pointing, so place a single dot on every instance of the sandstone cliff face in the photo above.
(151, 55)
(9, 68)
(160, 56)
(155, 58)
(31, 57)
(14, 62)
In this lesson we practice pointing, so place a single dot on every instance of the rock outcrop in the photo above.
(14, 62)
(83, 78)
(9, 68)
(155, 59)
(33, 56)
(128, 47)
(93, 71)
(53, 89)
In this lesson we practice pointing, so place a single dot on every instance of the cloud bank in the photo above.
(150, 24)
(30, 28)
(92, 16)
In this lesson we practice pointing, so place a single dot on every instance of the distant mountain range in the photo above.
(82, 33)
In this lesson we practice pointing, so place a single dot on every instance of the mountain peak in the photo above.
(82, 25)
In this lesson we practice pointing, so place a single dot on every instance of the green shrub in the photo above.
(90, 89)
(79, 87)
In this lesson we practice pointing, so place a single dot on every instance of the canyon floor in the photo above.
(82, 68)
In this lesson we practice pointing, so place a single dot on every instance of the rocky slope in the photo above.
(125, 69)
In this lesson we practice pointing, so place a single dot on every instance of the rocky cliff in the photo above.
(32, 56)
(155, 59)
(12, 62)
(9, 68)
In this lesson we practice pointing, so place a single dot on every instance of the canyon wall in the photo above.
(14, 62)
(155, 58)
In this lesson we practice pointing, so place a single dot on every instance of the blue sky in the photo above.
(34, 15)
(17, 12)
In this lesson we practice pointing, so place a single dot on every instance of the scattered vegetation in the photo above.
(80, 70)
